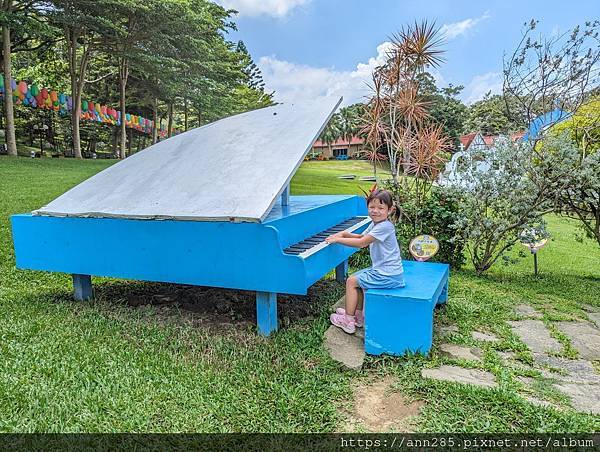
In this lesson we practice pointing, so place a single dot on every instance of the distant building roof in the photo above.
(339, 142)
(467, 139)
(489, 140)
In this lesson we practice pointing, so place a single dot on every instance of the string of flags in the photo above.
(31, 95)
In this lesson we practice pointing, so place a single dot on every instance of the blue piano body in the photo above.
(283, 254)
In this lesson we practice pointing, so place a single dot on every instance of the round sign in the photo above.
(533, 239)
(423, 247)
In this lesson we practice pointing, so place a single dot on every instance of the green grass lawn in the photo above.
(106, 366)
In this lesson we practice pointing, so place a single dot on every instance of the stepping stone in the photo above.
(457, 374)
(525, 310)
(461, 352)
(572, 370)
(590, 308)
(485, 337)
(594, 317)
(347, 349)
(445, 330)
(584, 398)
(585, 338)
(535, 335)
(508, 356)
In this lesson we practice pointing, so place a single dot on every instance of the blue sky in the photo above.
(314, 48)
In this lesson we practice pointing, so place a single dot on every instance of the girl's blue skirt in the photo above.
(368, 278)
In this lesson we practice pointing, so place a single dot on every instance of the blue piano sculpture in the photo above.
(208, 207)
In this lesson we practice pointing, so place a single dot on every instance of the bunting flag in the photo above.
(33, 96)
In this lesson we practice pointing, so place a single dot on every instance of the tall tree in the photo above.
(551, 72)
(489, 116)
(251, 70)
(24, 21)
(445, 108)
(85, 24)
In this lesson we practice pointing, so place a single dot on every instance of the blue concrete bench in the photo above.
(398, 321)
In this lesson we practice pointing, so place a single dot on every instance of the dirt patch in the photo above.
(379, 408)
(212, 307)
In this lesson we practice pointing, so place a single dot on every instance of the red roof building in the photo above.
(487, 141)
(340, 148)
(339, 142)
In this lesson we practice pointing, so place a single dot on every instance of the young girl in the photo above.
(386, 272)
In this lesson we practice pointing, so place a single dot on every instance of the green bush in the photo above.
(435, 217)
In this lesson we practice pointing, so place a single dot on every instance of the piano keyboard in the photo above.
(317, 242)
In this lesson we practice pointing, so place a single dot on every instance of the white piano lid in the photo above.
(233, 169)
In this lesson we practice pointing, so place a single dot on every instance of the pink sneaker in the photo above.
(343, 321)
(359, 316)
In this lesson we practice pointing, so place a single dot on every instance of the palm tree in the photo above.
(332, 131)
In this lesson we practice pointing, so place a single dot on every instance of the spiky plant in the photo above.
(397, 116)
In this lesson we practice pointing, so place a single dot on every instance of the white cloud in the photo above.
(296, 82)
(276, 8)
(451, 31)
(480, 85)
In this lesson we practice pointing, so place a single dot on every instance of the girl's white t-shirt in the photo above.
(385, 252)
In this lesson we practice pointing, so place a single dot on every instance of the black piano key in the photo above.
(316, 239)
(300, 248)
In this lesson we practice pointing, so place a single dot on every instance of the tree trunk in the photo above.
(75, 113)
(185, 114)
(77, 74)
(115, 141)
(199, 117)
(11, 141)
(123, 75)
(170, 123)
(130, 143)
(155, 119)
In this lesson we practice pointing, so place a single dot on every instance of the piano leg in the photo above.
(82, 285)
(341, 271)
(266, 312)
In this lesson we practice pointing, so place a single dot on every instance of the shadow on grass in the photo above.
(214, 308)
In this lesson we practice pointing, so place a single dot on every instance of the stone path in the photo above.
(585, 398)
(524, 310)
(484, 337)
(584, 336)
(567, 370)
(457, 374)
(348, 349)
(577, 378)
(535, 335)
(461, 352)
(445, 330)
(595, 317)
